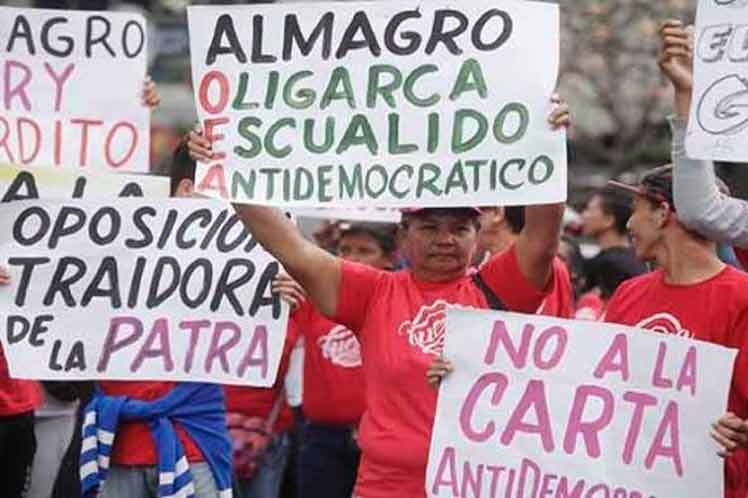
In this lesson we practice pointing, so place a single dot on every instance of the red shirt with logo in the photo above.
(716, 311)
(16, 396)
(400, 323)
(133, 443)
(258, 401)
(560, 300)
(333, 375)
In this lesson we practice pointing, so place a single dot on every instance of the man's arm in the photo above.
(698, 202)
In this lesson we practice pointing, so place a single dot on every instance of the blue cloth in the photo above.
(198, 408)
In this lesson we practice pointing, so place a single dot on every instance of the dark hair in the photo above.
(515, 218)
(383, 234)
(616, 204)
(182, 166)
(612, 267)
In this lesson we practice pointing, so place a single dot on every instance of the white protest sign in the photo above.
(70, 90)
(541, 406)
(39, 182)
(718, 124)
(134, 289)
(379, 103)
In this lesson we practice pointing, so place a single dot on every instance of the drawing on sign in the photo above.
(723, 107)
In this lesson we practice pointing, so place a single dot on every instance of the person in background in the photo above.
(604, 219)
(334, 395)
(692, 294)
(571, 254)
(700, 204)
(499, 229)
(196, 411)
(399, 316)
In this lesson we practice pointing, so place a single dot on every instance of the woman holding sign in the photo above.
(399, 317)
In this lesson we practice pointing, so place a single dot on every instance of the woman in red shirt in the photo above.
(399, 316)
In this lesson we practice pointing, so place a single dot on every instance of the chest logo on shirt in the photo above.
(426, 330)
(341, 347)
(664, 323)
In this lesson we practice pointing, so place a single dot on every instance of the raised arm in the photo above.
(698, 202)
(318, 272)
(537, 244)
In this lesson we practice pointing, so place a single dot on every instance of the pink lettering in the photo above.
(589, 430)
(668, 425)
(616, 359)
(59, 80)
(4, 139)
(218, 349)
(156, 345)
(500, 382)
(640, 401)
(657, 376)
(446, 473)
(533, 399)
(194, 326)
(85, 123)
(687, 377)
(501, 335)
(258, 347)
(27, 158)
(561, 338)
(113, 343)
(18, 89)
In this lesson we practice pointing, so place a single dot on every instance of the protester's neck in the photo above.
(688, 261)
(610, 238)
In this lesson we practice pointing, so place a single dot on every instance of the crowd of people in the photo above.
(368, 303)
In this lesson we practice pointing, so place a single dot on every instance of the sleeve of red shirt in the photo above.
(503, 275)
(739, 340)
(357, 286)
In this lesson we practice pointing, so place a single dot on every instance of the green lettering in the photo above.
(270, 138)
(427, 183)
(476, 164)
(301, 99)
(323, 183)
(470, 79)
(340, 76)
(238, 104)
(385, 90)
(359, 132)
(459, 143)
(456, 179)
(433, 133)
(524, 121)
(309, 135)
(545, 161)
(254, 140)
(410, 82)
(378, 168)
(272, 89)
(297, 193)
(395, 147)
(247, 185)
(270, 174)
(349, 184)
(520, 163)
(408, 170)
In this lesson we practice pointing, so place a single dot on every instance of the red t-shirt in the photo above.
(133, 443)
(560, 299)
(590, 307)
(333, 376)
(16, 396)
(258, 401)
(400, 323)
(714, 311)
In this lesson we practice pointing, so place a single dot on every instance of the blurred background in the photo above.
(609, 75)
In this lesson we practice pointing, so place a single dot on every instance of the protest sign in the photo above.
(134, 289)
(379, 104)
(70, 89)
(541, 406)
(22, 183)
(718, 124)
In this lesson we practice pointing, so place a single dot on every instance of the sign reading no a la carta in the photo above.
(379, 104)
